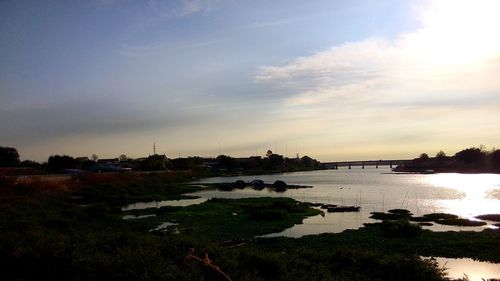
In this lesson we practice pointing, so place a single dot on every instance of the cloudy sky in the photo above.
(336, 80)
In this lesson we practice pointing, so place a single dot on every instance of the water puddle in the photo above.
(133, 217)
(159, 204)
(474, 270)
(164, 226)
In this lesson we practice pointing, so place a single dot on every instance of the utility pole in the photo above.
(154, 148)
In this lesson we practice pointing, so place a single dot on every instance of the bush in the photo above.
(402, 227)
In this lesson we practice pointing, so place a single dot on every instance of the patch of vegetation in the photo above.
(460, 222)
(421, 219)
(387, 216)
(400, 211)
(440, 216)
(223, 219)
(127, 188)
(401, 227)
(489, 217)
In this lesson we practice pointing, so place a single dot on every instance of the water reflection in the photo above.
(466, 195)
(475, 270)
(133, 217)
(159, 204)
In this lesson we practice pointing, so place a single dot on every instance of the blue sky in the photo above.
(336, 80)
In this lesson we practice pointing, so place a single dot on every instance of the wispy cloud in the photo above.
(447, 56)
(438, 81)
(148, 13)
(134, 51)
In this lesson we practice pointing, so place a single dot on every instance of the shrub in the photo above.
(401, 227)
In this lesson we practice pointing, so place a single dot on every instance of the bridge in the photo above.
(376, 163)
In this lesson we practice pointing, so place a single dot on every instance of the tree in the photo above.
(275, 160)
(58, 162)
(226, 161)
(95, 157)
(441, 155)
(423, 157)
(30, 164)
(154, 163)
(269, 153)
(495, 158)
(8, 157)
(471, 155)
(123, 158)
(308, 162)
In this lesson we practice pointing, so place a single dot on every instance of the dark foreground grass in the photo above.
(50, 234)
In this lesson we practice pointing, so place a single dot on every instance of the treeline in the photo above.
(271, 163)
(222, 164)
(474, 159)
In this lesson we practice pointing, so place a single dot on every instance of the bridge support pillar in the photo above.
(349, 166)
(390, 164)
(376, 166)
(362, 165)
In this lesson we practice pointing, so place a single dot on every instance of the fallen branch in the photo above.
(207, 262)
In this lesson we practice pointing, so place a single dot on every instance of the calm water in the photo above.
(466, 195)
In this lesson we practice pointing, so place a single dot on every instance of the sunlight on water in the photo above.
(466, 195)
(474, 270)
(476, 190)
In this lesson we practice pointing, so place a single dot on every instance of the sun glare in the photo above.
(459, 32)
(476, 189)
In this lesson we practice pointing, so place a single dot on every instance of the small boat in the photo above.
(344, 209)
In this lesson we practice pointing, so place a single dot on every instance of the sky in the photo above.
(335, 80)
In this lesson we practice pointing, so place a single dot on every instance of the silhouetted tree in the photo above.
(308, 162)
(471, 155)
(423, 157)
(58, 162)
(495, 158)
(440, 155)
(275, 160)
(269, 153)
(226, 161)
(154, 163)
(8, 157)
(30, 164)
(94, 157)
(122, 158)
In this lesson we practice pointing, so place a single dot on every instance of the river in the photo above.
(465, 195)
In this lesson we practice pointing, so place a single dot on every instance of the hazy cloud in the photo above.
(447, 56)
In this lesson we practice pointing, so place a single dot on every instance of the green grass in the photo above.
(225, 219)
